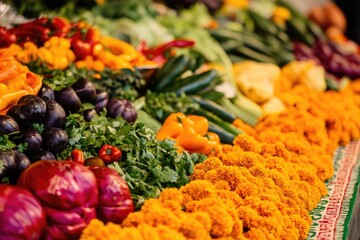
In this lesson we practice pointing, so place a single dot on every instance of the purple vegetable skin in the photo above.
(331, 56)
(21, 213)
(68, 193)
(115, 201)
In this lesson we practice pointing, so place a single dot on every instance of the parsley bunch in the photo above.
(148, 165)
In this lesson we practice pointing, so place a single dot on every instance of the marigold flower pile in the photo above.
(263, 186)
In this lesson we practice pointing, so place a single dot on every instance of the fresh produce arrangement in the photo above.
(219, 126)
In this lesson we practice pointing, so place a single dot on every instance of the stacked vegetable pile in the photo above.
(171, 138)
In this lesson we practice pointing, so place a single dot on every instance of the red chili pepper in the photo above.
(109, 153)
(77, 156)
(157, 54)
(179, 43)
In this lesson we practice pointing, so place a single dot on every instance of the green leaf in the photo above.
(6, 144)
(147, 165)
(38, 127)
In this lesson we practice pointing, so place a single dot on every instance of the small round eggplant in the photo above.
(55, 114)
(68, 99)
(89, 114)
(102, 99)
(33, 139)
(46, 92)
(8, 159)
(121, 107)
(85, 90)
(42, 155)
(8, 125)
(54, 139)
(22, 162)
(29, 109)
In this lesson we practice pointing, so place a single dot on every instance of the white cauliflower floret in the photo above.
(256, 80)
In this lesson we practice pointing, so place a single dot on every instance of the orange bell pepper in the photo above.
(190, 133)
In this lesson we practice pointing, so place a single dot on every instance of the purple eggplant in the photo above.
(68, 99)
(46, 92)
(54, 139)
(89, 114)
(55, 114)
(8, 125)
(85, 90)
(102, 99)
(42, 155)
(33, 140)
(28, 110)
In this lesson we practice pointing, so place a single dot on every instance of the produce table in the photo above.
(337, 214)
(170, 126)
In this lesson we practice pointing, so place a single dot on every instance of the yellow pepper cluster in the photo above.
(114, 54)
(15, 81)
(190, 133)
(55, 53)
(59, 52)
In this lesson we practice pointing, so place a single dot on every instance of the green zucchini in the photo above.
(148, 120)
(225, 137)
(263, 24)
(215, 108)
(226, 34)
(251, 54)
(218, 121)
(297, 29)
(200, 82)
(235, 58)
(171, 71)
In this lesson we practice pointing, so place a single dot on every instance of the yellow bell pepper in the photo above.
(15, 81)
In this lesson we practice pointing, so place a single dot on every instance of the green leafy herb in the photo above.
(22, 147)
(6, 144)
(58, 79)
(148, 165)
(38, 127)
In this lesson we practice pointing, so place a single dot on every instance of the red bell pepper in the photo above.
(109, 153)
(81, 49)
(83, 43)
(60, 26)
(92, 36)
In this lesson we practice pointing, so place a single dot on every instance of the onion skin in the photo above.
(68, 192)
(115, 201)
(121, 107)
(25, 217)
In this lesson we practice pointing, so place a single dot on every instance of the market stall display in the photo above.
(148, 123)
